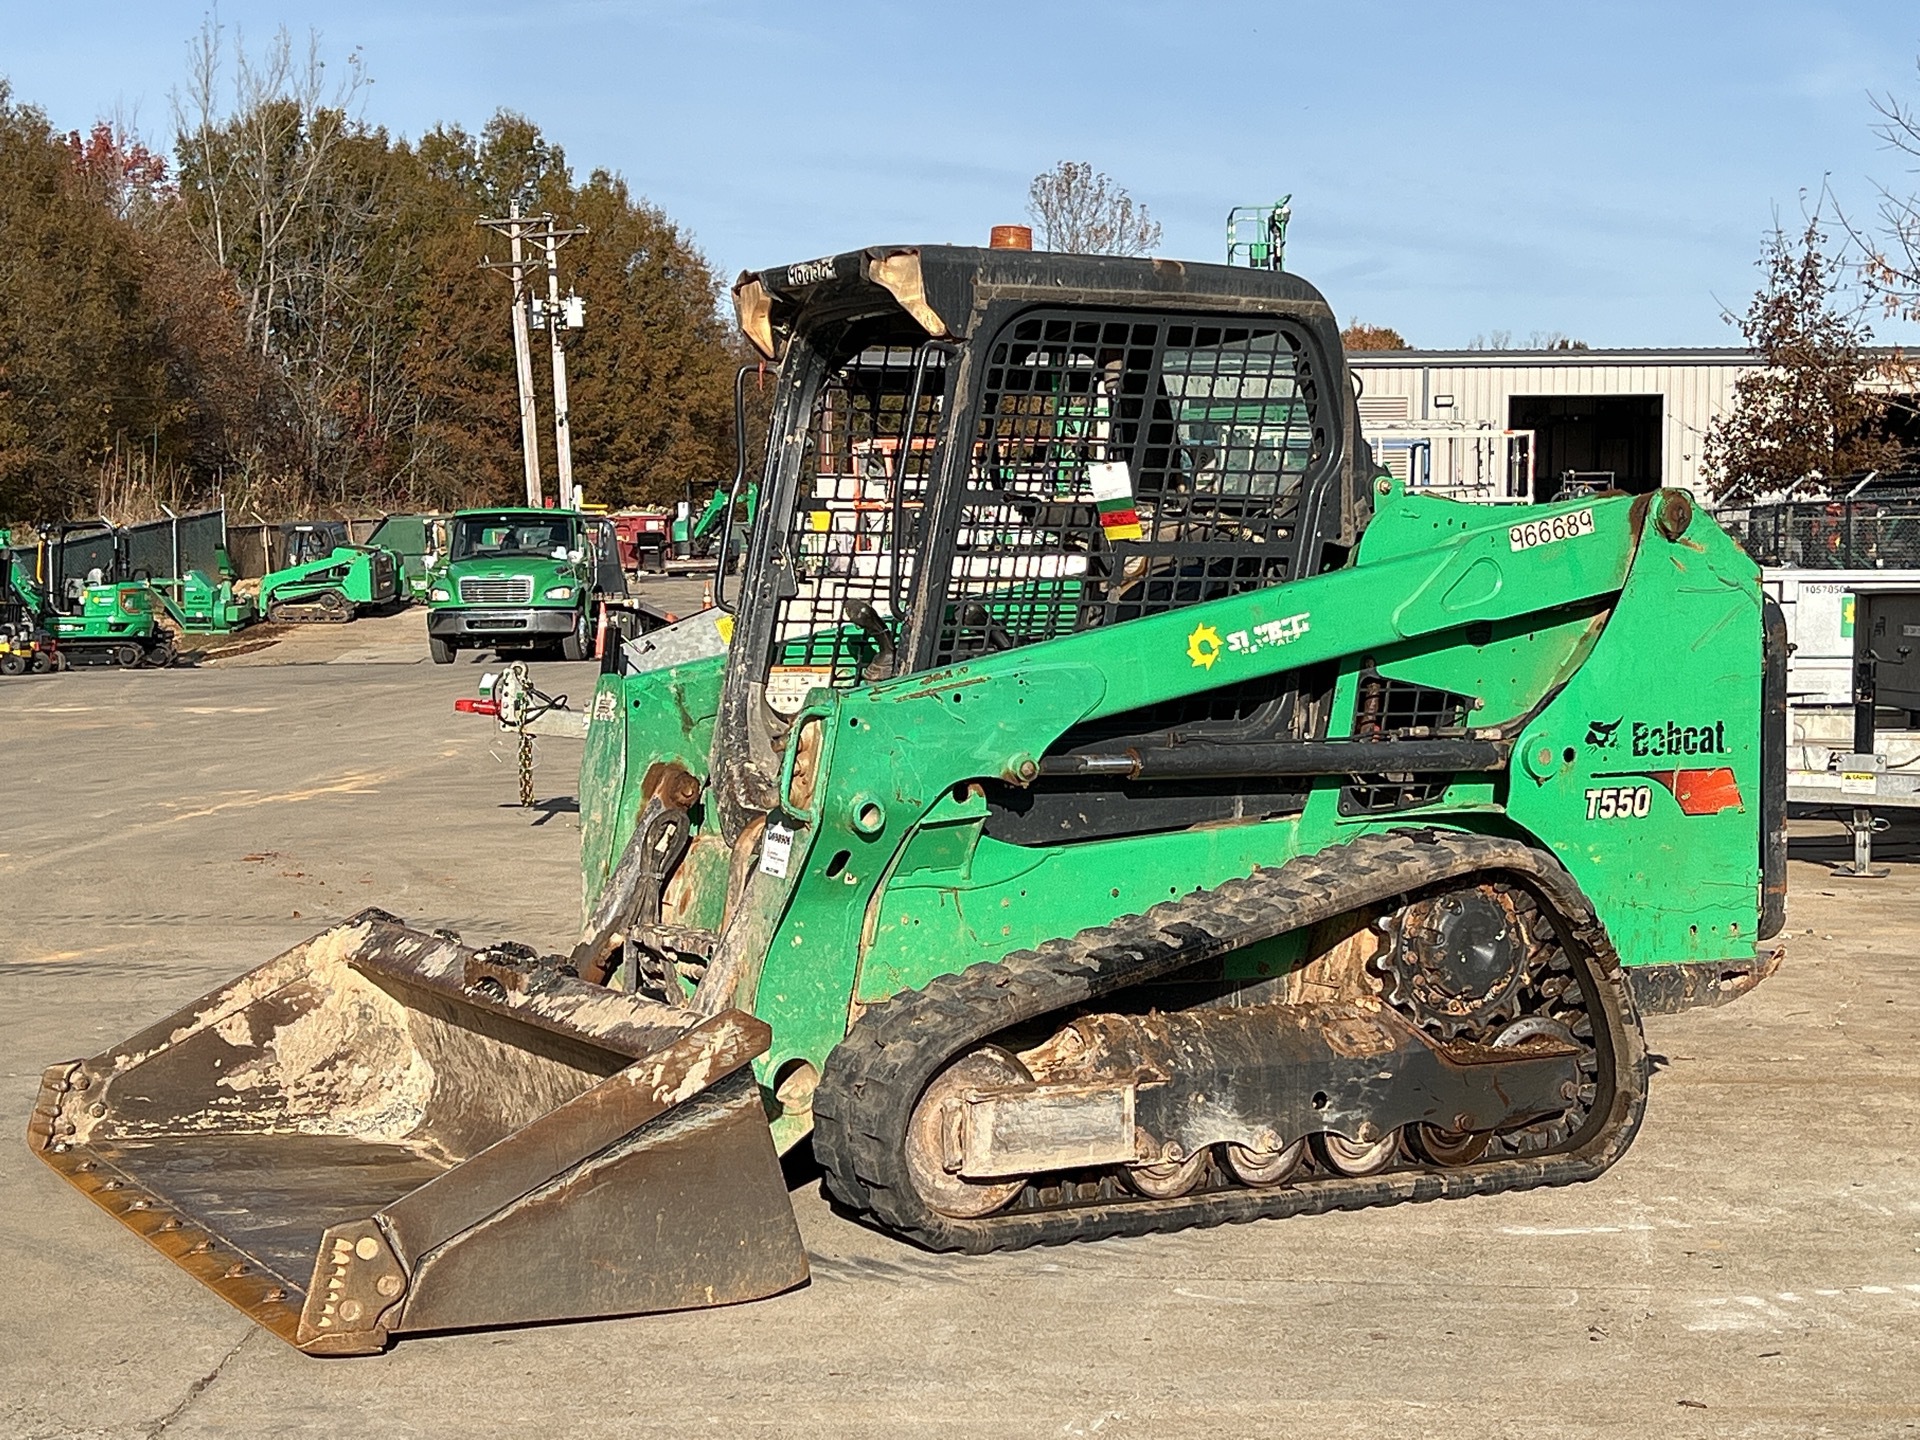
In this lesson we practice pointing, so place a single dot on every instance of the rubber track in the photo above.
(872, 1079)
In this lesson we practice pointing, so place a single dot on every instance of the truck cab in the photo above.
(516, 578)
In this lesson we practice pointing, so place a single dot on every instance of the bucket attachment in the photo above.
(382, 1131)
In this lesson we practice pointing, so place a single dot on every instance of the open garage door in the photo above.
(1591, 441)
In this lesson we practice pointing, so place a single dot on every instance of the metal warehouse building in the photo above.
(1498, 424)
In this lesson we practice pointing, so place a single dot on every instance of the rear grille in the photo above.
(1386, 709)
(496, 590)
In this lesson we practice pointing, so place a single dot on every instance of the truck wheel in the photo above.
(128, 655)
(13, 663)
(574, 646)
(441, 651)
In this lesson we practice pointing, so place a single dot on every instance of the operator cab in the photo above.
(310, 541)
(509, 535)
(977, 450)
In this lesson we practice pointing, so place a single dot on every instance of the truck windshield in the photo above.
(480, 537)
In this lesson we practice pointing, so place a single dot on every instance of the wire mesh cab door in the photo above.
(1127, 463)
(826, 591)
(855, 523)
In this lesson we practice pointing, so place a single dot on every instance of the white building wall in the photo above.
(1694, 389)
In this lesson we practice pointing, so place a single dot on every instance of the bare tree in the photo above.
(284, 190)
(256, 171)
(1081, 211)
(1536, 340)
(1891, 269)
(1803, 419)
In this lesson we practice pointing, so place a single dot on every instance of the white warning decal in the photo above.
(776, 852)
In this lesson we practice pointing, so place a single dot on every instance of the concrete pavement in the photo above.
(1752, 1267)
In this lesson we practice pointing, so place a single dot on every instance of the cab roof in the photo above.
(946, 288)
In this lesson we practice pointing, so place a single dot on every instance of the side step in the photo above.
(382, 1132)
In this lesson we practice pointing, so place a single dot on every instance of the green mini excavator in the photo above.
(1115, 807)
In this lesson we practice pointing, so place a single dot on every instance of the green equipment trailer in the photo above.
(706, 525)
(711, 528)
(1125, 810)
(327, 579)
(516, 578)
(200, 604)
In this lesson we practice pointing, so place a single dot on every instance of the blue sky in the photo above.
(1606, 170)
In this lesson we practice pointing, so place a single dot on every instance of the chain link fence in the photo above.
(1864, 534)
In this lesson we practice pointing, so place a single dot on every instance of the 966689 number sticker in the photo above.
(1547, 531)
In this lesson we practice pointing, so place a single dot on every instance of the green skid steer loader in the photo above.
(327, 579)
(1116, 807)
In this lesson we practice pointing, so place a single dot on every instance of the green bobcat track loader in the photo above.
(1117, 807)
(327, 579)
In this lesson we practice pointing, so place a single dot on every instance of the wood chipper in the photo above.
(1117, 807)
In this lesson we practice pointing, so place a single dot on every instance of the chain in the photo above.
(526, 770)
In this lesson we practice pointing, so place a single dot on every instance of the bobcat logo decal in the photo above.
(1600, 733)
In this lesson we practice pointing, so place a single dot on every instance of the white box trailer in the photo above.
(1827, 766)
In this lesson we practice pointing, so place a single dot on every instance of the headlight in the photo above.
(438, 593)
(560, 592)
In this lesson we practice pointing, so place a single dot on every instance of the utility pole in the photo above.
(512, 227)
(560, 315)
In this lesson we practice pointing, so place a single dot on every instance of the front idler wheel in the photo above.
(935, 1132)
